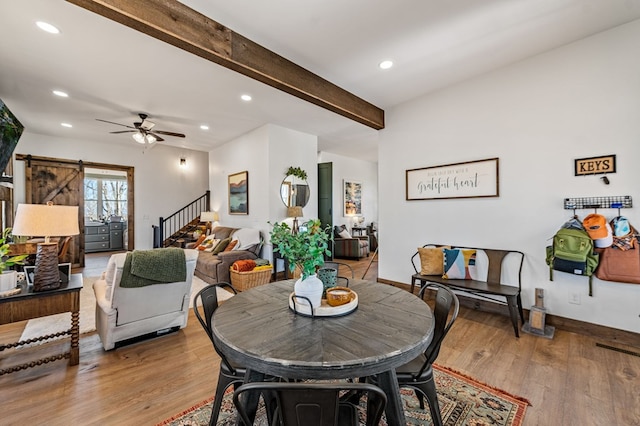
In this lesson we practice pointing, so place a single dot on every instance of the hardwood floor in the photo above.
(568, 379)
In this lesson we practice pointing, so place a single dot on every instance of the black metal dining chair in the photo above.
(313, 404)
(229, 373)
(343, 268)
(418, 373)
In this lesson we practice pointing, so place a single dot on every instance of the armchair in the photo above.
(126, 312)
(347, 246)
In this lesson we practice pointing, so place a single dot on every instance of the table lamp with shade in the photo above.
(295, 212)
(46, 220)
(209, 217)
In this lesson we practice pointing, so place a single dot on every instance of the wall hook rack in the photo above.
(607, 202)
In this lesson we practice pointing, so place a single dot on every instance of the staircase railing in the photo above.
(175, 226)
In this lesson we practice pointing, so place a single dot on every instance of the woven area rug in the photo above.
(463, 402)
(62, 322)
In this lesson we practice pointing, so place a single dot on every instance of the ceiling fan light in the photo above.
(149, 138)
(138, 137)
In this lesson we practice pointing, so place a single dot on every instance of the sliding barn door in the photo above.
(62, 183)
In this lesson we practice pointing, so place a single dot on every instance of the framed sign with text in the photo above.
(471, 179)
(595, 165)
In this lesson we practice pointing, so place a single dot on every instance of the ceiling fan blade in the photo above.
(158, 138)
(117, 124)
(125, 131)
(164, 132)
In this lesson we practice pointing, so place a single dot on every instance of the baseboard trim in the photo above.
(596, 331)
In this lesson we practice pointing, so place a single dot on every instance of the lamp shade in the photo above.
(208, 216)
(41, 220)
(138, 137)
(295, 211)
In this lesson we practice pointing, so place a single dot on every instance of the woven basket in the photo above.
(245, 280)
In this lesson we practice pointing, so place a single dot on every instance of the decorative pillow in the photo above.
(207, 243)
(231, 245)
(431, 261)
(459, 264)
(201, 238)
(345, 234)
(221, 246)
(338, 229)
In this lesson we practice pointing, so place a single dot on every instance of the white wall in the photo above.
(537, 116)
(354, 170)
(266, 153)
(161, 186)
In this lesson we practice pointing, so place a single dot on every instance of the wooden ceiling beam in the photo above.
(183, 27)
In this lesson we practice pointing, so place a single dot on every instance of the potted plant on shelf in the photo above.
(305, 249)
(8, 279)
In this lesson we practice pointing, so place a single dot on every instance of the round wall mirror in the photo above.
(294, 191)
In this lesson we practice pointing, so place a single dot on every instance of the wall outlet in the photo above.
(574, 298)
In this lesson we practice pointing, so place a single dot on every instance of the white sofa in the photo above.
(124, 313)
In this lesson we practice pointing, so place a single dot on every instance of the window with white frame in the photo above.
(104, 196)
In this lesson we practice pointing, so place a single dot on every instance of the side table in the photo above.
(28, 305)
(358, 231)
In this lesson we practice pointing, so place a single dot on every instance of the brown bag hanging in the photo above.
(619, 265)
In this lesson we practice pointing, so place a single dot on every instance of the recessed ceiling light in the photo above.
(44, 26)
(204, 127)
(385, 65)
(66, 125)
(246, 98)
(61, 93)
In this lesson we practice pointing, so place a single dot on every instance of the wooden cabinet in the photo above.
(116, 235)
(103, 237)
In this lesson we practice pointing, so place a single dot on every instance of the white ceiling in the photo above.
(113, 72)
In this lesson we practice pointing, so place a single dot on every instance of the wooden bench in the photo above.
(490, 265)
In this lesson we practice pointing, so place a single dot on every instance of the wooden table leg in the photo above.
(74, 359)
(394, 410)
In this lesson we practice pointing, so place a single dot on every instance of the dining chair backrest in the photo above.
(313, 404)
(208, 298)
(64, 248)
(445, 313)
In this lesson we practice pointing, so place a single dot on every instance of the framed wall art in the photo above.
(352, 192)
(471, 179)
(239, 193)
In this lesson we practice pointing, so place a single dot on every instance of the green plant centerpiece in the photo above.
(305, 249)
(8, 279)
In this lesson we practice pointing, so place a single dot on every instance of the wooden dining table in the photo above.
(390, 326)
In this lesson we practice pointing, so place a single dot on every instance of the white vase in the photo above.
(8, 280)
(311, 288)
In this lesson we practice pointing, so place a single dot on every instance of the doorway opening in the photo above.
(62, 181)
(105, 210)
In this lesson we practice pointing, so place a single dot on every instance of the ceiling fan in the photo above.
(142, 131)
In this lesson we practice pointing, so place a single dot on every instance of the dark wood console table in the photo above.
(28, 305)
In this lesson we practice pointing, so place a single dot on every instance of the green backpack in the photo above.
(572, 252)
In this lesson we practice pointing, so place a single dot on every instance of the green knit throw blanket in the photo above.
(158, 266)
